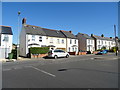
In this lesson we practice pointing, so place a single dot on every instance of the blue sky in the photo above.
(85, 17)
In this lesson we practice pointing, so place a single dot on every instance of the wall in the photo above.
(70, 45)
(23, 42)
(91, 43)
(54, 41)
(6, 46)
(30, 41)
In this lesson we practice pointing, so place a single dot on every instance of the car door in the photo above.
(63, 54)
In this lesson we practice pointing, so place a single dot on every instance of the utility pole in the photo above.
(115, 39)
(18, 34)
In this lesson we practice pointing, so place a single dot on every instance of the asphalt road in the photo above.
(91, 71)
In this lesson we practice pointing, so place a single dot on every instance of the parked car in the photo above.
(58, 53)
(102, 52)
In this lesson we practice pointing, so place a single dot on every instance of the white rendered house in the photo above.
(101, 41)
(6, 36)
(86, 42)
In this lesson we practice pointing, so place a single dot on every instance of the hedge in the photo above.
(39, 50)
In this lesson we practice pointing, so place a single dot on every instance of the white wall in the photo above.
(90, 44)
(69, 46)
(6, 46)
(54, 41)
(36, 40)
(107, 43)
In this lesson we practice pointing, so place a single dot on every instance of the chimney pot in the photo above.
(102, 35)
(24, 21)
(70, 31)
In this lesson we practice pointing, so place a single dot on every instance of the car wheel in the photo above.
(67, 56)
(55, 57)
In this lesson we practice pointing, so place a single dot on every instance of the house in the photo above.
(71, 41)
(85, 42)
(35, 36)
(5, 41)
(101, 41)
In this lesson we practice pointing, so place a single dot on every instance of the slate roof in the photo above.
(53, 33)
(34, 30)
(85, 35)
(102, 38)
(6, 30)
(68, 34)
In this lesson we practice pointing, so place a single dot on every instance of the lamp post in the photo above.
(18, 34)
(115, 39)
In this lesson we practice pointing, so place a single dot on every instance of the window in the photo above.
(70, 41)
(40, 39)
(99, 42)
(33, 37)
(6, 38)
(88, 41)
(62, 41)
(51, 40)
(75, 41)
(91, 41)
(58, 41)
(102, 42)
(105, 42)
(69, 49)
(73, 49)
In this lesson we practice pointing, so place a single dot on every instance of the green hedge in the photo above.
(39, 50)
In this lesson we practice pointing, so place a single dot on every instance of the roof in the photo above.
(34, 30)
(85, 35)
(68, 34)
(102, 38)
(53, 33)
(6, 30)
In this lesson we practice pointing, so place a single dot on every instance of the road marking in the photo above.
(6, 69)
(42, 71)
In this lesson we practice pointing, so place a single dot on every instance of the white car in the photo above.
(58, 53)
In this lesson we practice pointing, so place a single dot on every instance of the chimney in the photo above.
(24, 21)
(70, 32)
(92, 35)
(102, 35)
(110, 37)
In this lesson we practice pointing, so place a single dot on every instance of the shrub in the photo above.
(39, 50)
(113, 49)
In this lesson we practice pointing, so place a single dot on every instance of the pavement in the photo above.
(87, 71)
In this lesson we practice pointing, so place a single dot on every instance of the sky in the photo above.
(85, 17)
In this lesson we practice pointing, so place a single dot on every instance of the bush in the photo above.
(113, 49)
(14, 51)
(39, 50)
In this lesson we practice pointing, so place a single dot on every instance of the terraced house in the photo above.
(86, 42)
(35, 36)
(101, 41)
(5, 41)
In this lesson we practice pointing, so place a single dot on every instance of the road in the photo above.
(91, 71)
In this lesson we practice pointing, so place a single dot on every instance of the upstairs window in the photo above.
(51, 40)
(62, 41)
(58, 41)
(33, 37)
(40, 39)
(70, 41)
(6, 38)
(75, 41)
